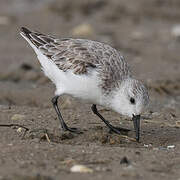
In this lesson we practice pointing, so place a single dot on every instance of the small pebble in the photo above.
(19, 130)
(124, 160)
(147, 145)
(171, 147)
(81, 169)
(16, 117)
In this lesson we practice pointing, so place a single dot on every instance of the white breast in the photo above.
(84, 86)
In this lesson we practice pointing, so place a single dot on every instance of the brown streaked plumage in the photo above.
(81, 55)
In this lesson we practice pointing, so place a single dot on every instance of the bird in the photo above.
(93, 72)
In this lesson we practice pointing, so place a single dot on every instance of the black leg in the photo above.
(112, 128)
(63, 124)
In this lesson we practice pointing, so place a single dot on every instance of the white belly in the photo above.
(84, 86)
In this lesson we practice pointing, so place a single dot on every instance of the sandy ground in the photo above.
(148, 35)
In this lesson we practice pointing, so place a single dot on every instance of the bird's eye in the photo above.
(132, 100)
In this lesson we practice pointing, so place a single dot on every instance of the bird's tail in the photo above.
(25, 32)
(37, 41)
(34, 38)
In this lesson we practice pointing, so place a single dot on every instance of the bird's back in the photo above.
(82, 56)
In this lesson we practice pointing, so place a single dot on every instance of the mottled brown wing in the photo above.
(66, 53)
(71, 54)
(80, 55)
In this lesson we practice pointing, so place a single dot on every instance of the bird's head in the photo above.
(131, 99)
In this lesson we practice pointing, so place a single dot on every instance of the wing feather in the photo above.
(80, 55)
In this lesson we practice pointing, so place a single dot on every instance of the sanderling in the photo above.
(91, 71)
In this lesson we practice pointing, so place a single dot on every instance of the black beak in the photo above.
(136, 121)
